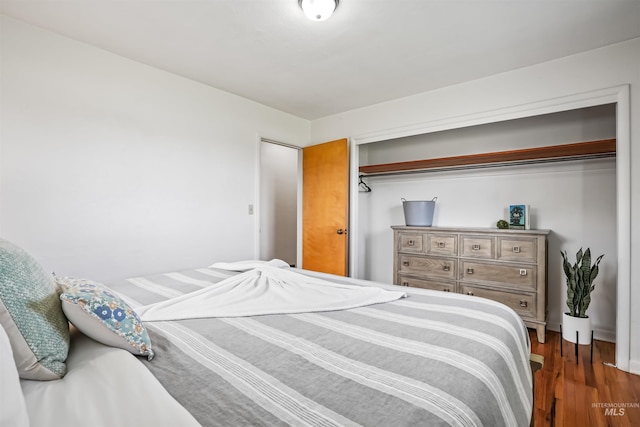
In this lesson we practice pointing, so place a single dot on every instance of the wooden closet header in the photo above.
(590, 149)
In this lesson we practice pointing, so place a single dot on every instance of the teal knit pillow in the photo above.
(31, 314)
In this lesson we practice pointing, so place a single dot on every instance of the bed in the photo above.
(429, 358)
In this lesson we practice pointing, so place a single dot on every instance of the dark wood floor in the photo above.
(569, 394)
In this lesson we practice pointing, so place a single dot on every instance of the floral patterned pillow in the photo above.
(103, 316)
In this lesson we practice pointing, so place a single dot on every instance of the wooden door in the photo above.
(325, 200)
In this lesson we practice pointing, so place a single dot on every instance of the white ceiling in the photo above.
(370, 51)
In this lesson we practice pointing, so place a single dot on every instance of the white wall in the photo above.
(110, 168)
(278, 208)
(566, 77)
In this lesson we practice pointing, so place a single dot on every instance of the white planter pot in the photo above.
(572, 324)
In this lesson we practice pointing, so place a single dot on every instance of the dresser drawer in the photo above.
(477, 246)
(427, 284)
(442, 244)
(521, 249)
(441, 268)
(410, 242)
(523, 304)
(513, 276)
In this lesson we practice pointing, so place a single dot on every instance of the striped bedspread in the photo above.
(430, 359)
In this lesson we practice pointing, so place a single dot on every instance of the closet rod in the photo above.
(489, 165)
(554, 153)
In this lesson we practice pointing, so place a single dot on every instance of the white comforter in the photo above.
(265, 290)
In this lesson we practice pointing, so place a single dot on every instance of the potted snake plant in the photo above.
(580, 277)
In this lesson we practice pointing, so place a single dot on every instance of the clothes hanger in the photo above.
(362, 186)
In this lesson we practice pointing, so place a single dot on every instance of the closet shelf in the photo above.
(580, 150)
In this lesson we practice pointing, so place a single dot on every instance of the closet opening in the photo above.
(609, 176)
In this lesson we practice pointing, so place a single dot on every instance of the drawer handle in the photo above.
(405, 263)
(447, 268)
(469, 270)
(446, 290)
(412, 242)
(441, 244)
(523, 303)
(470, 293)
(516, 249)
(523, 272)
(476, 247)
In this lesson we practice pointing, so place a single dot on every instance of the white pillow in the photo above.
(13, 411)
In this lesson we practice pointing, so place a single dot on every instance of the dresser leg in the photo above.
(540, 330)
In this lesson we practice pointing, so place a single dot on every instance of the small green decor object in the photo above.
(580, 277)
(502, 224)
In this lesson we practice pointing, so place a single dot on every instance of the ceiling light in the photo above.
(318, 10)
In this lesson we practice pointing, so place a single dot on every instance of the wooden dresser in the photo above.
(509, 266)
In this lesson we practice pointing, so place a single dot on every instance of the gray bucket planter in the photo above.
(418, 213)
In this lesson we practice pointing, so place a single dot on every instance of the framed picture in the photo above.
(519, 217)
